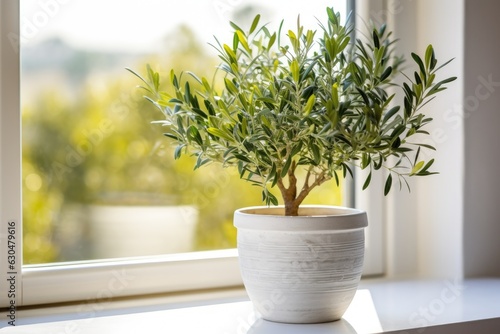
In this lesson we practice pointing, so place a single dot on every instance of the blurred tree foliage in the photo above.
(96, 145)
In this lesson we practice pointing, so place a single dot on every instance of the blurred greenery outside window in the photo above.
(99, 180)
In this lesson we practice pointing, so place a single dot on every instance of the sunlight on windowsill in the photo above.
(379, 306)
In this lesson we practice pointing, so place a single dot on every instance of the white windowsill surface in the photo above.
(446, 306)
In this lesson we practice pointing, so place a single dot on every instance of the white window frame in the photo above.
(105, 279)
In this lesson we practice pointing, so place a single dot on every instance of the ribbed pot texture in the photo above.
(301, 269)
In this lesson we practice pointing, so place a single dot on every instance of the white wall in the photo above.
(482, 138)
(449, 225)
(440, 23)
(424, 227)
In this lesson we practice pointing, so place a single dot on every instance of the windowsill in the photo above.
(379, 306)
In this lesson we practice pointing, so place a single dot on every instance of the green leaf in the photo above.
(335, 95)
(172, 136)
(364, 96)
(417, 167)
(402, 149)
(178, 151)
(173, 79)
(236, 41)
(387, 72)
(255, 22)
(194, 134)
(243, 40)
(398, 130)
(419, 62)
(187, 93)
(296, 149)
(396, 143)
(294, 68)
(210, 107)
(308, 91)
(343, 44)
(408, 108)
(416, 156)
(337, 181)
(316, 154)
(267, 130)
(286, 167)
(417, 79)
(272, 199)
(235, 26)
(292, 37)
(177, 101)
(154, 78)
(230, 86)
(437, 87)
(429, 56)
(408, 91)
(272, 176)
(445, 81)
(272, 39)
(194, 76)
(430, 147)
(388, 185)
(376, 41)
(241, 157)
(148, 87)
(230, 53)
(365, 160)
(346, 169)
(199, 112)
(219, 133)
(390, 113)
(427, 166)
(309, 105)
(378, 163)
(367, 181)
(331, 15)
(200, 162)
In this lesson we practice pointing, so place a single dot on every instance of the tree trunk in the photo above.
(289, 194)
(293, 200)
(291, 208)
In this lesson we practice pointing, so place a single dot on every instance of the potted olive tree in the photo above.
(310, 101)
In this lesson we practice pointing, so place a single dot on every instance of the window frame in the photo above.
(105, 279)
(10, 153)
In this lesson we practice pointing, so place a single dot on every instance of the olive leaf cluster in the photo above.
(305, 99)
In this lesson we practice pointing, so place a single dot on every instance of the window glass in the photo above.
(99, 180)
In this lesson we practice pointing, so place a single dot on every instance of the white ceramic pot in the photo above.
(302, 269)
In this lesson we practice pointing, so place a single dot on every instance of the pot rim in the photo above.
(313, 218)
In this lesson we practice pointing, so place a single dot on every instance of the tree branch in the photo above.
(320, 179)
(308, 176)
